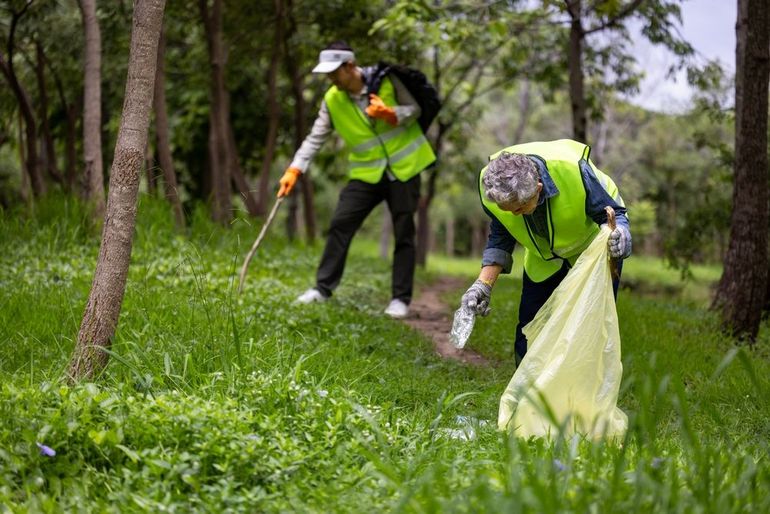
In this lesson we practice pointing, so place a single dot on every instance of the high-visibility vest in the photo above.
(375, 145)
(570, 230)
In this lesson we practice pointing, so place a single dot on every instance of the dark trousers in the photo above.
(535, 294)
(357, 199)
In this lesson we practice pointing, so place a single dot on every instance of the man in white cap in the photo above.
(387, 151)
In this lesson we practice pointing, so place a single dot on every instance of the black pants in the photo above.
(535, 294)
(357, 199)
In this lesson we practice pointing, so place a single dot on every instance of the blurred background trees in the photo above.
(235, 97)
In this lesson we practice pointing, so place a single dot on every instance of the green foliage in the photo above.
(241, 404)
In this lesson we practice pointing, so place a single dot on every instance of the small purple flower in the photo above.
(559, 465)
(657, 462)
(46, 450)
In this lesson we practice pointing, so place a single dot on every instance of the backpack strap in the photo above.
(375, 77)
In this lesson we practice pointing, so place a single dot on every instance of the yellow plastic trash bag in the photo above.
(569, 379)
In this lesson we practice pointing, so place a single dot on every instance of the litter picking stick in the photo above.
(611, 224)
(258, 241)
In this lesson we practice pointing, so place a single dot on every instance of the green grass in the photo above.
(219, 402)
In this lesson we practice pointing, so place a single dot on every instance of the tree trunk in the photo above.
(273, 107)
(220, 179)
(449, 237)
(241, 183)
(525, 105)
(25, 107)
(24, 191)
(300, 121)
(106, 298)
(163, 137)
(92, 108)
(741, 292)
(45, 129)
(71, 110)
(236, 172)
(576, 79)
(70, 145)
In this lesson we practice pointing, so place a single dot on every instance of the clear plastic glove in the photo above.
(288, 181)
(619, 242)
(476, 299)
(378, 109)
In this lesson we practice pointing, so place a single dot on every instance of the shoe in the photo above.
(310, 296)
(397, 309)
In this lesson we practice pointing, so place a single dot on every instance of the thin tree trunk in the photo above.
(273, 108)
(70, 145)
(163, 137)
(449, 239)
(106, 298)
(220, 179)
(300, 120)
(576, 79)
(45, 129)
(742, 289)
(239, 178)
(25, 107)
(525, 105)
(92, 108)
(24, 191)
(71, 110)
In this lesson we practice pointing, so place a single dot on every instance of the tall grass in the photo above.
(219, 402)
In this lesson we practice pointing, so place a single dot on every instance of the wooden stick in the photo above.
(258, 241)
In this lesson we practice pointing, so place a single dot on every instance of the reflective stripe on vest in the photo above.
(570, 230)
(373, 144)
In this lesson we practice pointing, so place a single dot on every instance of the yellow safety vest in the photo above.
(375, 145)
(570, 230)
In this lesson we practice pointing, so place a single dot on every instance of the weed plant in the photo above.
(226, 403)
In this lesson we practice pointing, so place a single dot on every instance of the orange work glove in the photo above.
(288, 180)
(378, 109)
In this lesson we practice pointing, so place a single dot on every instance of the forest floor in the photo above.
(433, 317)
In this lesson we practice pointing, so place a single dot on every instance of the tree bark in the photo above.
(48, 149)
(106, 298)
(576, 79)
(220, 180)
(741, 292)
(92, 108)
(6, 66)
(163, 137)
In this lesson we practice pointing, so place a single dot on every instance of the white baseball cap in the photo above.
(330, 60)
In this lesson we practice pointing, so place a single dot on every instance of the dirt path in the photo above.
(431, 316)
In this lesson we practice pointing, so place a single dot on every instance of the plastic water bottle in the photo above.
(462, 327)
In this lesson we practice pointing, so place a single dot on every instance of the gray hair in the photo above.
(511, 177)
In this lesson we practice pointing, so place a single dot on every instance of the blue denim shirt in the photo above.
(501, 243)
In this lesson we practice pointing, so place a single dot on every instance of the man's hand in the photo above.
(477, 298)
(619, 243)
(288, 180)
(378, 109)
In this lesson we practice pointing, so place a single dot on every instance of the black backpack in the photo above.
(415, 81)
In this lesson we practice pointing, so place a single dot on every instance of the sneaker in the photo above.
(397, 309)
(310, 296)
